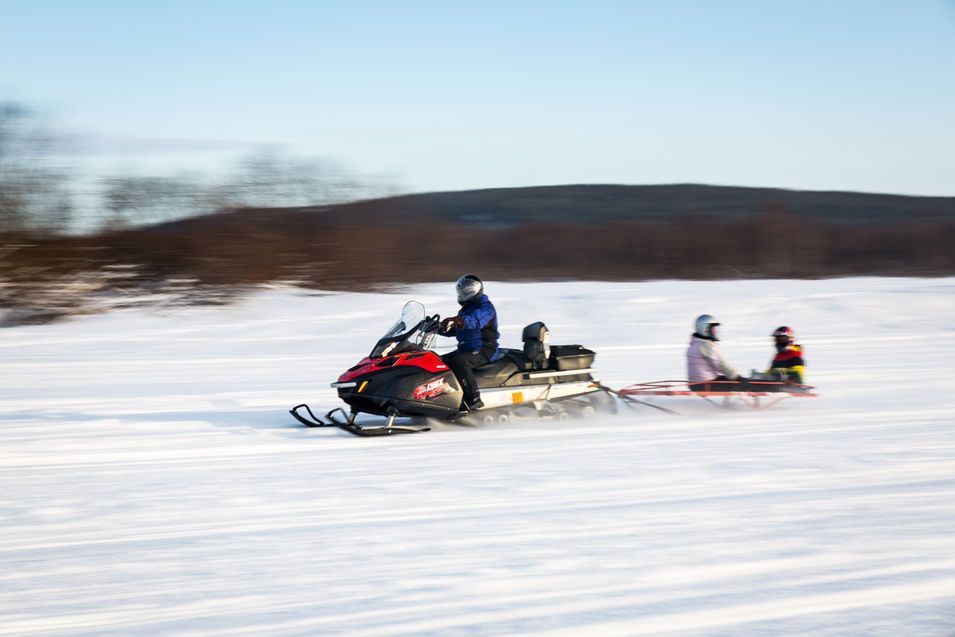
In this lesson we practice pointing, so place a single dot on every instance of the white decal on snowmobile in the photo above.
(431, 389)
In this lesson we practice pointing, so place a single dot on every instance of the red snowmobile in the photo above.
(403, 378)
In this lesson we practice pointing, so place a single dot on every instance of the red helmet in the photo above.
(784, 335)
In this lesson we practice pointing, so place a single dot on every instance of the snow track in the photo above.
(152, 483)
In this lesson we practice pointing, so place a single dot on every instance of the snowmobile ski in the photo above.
(349, 425)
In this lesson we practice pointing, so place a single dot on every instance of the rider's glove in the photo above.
(451, 322)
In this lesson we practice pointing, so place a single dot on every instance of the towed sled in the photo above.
(403, 378)
(757, 394)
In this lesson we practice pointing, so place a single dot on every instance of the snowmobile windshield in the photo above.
(405, 335)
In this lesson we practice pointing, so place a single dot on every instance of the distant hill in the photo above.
(585, 232)
(587, 204)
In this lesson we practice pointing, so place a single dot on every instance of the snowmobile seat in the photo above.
(495, 373)
(536, 338)
(519, 358)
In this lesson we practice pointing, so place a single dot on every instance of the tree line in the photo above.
(43, 192)
(245, 241)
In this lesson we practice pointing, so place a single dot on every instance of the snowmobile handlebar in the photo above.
(429, 324)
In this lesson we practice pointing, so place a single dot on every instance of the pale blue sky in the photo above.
(446, 95)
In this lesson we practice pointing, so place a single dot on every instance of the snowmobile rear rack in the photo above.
(349, 424)
(751, 396)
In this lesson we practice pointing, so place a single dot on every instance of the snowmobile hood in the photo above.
(428, 361)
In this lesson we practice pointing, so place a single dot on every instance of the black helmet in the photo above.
(469, 287)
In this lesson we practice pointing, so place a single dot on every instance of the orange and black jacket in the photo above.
(790, 361)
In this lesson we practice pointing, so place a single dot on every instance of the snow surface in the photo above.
(151, 481)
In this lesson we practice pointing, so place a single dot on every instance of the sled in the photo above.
(757, 395)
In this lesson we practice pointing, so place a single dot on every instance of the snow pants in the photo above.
(463, 364)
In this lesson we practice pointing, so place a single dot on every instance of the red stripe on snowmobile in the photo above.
(428, 361)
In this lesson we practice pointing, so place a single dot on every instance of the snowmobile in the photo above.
(403, 377)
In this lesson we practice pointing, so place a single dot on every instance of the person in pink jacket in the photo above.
(706, 368)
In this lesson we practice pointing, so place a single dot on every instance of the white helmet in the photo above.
(706, 327)
(469, 287)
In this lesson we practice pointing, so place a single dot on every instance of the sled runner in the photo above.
(404, 378)
(756, 394)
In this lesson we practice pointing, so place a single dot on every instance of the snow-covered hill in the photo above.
(151, 481)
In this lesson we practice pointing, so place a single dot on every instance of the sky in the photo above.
(821, 95)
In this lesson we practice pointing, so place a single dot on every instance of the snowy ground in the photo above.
(151, 481)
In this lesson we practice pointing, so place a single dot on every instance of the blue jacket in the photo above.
(479, 333)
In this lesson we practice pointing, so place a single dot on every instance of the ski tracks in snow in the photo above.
(141, 497)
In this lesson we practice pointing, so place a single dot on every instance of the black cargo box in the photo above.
(568, 357)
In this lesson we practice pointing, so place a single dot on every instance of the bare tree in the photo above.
(270, 179)
(34, 193)
(144, 200)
